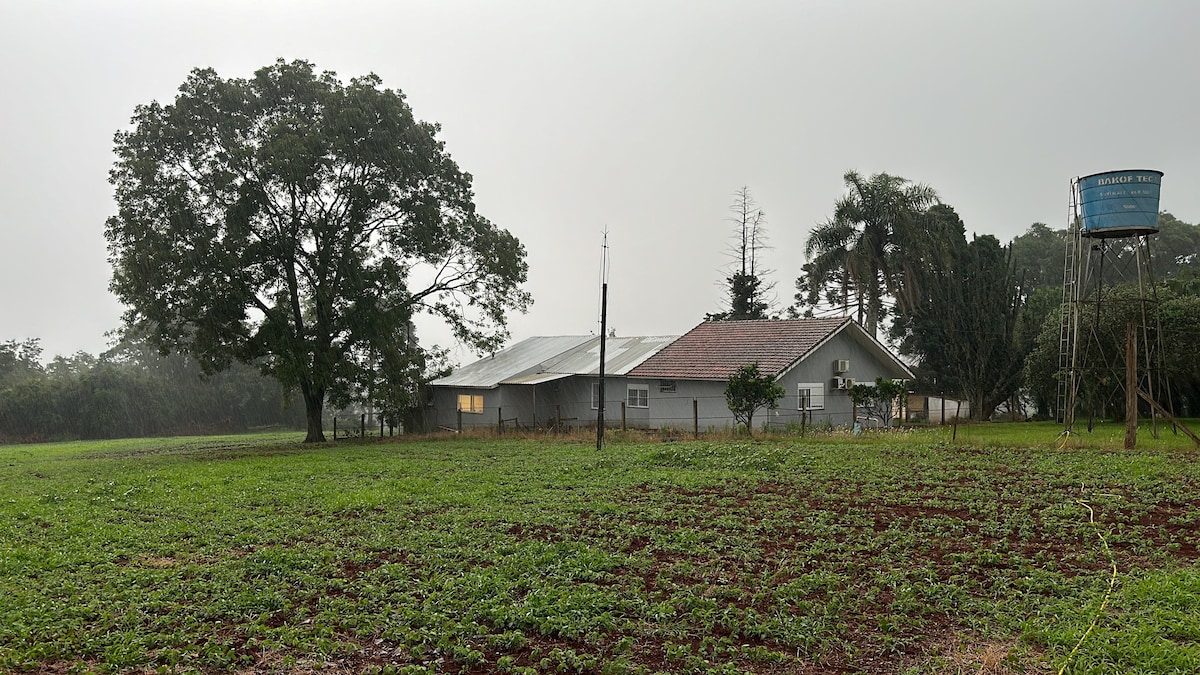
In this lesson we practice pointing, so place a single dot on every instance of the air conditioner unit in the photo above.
(839, 383)
(841, 365)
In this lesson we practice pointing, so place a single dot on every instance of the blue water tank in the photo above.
(1120, 203)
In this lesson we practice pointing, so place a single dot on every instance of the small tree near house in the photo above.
(747, 391)
(878, 401)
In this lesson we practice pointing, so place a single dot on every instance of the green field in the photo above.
(906, 552)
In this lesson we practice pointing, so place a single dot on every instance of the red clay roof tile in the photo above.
(715, 349)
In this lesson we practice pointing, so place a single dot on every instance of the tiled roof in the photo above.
(715, 349)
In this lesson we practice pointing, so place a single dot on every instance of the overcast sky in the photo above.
(639, 117)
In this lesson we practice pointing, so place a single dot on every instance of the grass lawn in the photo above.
(906, 552)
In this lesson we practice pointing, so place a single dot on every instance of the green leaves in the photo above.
(878, 400)
(714, 556)
(859, 253)
(281, 219)
(749, 390)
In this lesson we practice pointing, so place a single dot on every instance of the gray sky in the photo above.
(639, 117)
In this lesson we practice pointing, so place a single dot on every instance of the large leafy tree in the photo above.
(859, 253)
(964, 326)
(1175, 250)
(298, 222)
(1039, 255)
(19, 361)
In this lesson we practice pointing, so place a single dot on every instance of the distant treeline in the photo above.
(131, 391)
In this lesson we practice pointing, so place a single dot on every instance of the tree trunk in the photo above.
(979, 409)
(314, 405)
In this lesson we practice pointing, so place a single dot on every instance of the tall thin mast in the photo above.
(603, 338)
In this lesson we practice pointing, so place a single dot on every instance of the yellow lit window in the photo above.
(470, 403)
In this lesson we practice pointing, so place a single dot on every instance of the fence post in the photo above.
(695, 418)
(500, 420)
(362, 430)
(335, 427)
(381, 427)
(460, 420)
(622, 415)
(557, 416)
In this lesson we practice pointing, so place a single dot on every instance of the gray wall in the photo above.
(537, 405)
(674, 409)
(571, 397)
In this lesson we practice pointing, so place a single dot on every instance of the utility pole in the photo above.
(603, 339)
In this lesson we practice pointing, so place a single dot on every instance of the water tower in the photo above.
(1112, 216)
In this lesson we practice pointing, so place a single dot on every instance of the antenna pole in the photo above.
(603, 339)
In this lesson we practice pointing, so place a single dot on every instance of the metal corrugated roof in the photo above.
(536, 378)
(621, 354)
(522, 358)
(542, 359)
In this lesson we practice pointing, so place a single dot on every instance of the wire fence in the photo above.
(683, 413)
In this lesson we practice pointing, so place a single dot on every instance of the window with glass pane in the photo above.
(810, 396)
(470, 403)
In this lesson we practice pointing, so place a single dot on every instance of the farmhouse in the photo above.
(542, 381)
(667, 381)
(815, 360)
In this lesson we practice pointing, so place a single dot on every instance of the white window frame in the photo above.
(595, 396)
(816, 395)
(637, 396)
(472, 399)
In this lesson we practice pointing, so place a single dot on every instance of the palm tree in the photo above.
(859, 251)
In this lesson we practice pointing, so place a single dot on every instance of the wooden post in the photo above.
(803, 418)
(460, 420)
(362, 430)
(954, 429)
(695, 418)
(381, 427)
(622, 415)
(500, 420)
(1130, 387)
(335, 427)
